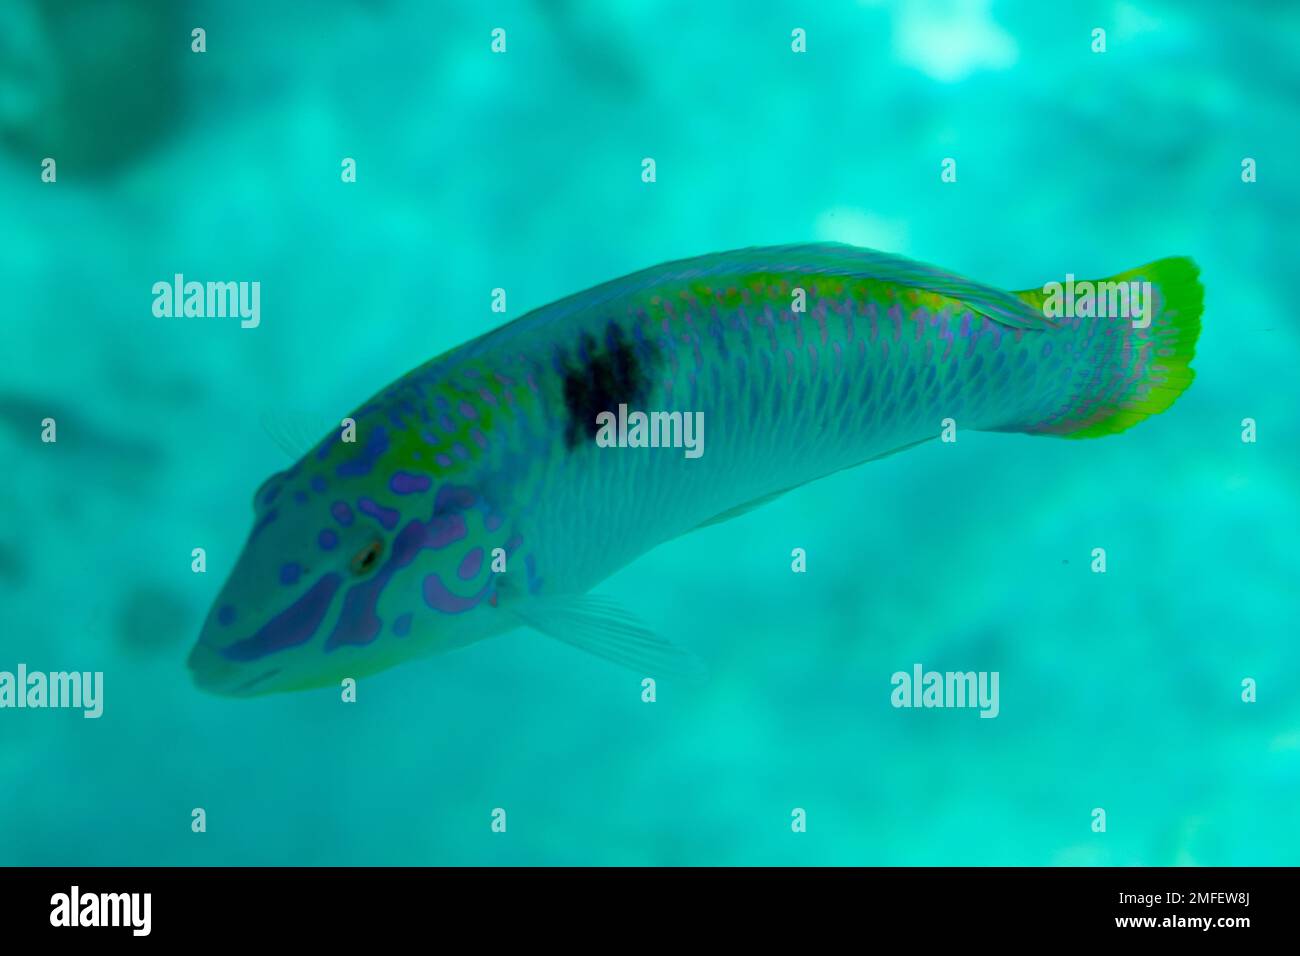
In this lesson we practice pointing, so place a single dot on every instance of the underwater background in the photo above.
(522, 170)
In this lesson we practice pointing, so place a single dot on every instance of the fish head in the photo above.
(337, 580)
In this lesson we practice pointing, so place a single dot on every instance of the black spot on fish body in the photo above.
(602, 380)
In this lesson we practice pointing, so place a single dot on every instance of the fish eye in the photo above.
(365, 560)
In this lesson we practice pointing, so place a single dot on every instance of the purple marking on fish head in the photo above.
(470, 565)
(388, 517)
(322, 590)
(406, 483)
(435, 575)
(454, 498)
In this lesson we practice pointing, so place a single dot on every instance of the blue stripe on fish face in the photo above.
(295, 625)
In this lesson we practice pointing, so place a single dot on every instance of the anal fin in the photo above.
(739, 510)
(749, 506)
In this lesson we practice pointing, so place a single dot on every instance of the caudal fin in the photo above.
(1125, 374)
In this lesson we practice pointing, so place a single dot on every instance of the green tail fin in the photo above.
(1136, 373)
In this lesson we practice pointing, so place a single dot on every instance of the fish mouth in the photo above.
(212, 672)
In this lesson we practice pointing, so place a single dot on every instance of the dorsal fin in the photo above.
(295, 432)
(823, 258)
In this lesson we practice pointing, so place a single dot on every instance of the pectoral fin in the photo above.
(603, 628)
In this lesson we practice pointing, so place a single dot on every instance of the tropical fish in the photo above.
(474, 497)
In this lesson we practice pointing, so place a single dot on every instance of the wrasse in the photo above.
(474, 496)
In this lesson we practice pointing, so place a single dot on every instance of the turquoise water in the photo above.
(1120, 691)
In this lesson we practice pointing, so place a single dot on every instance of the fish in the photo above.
(475, 495)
